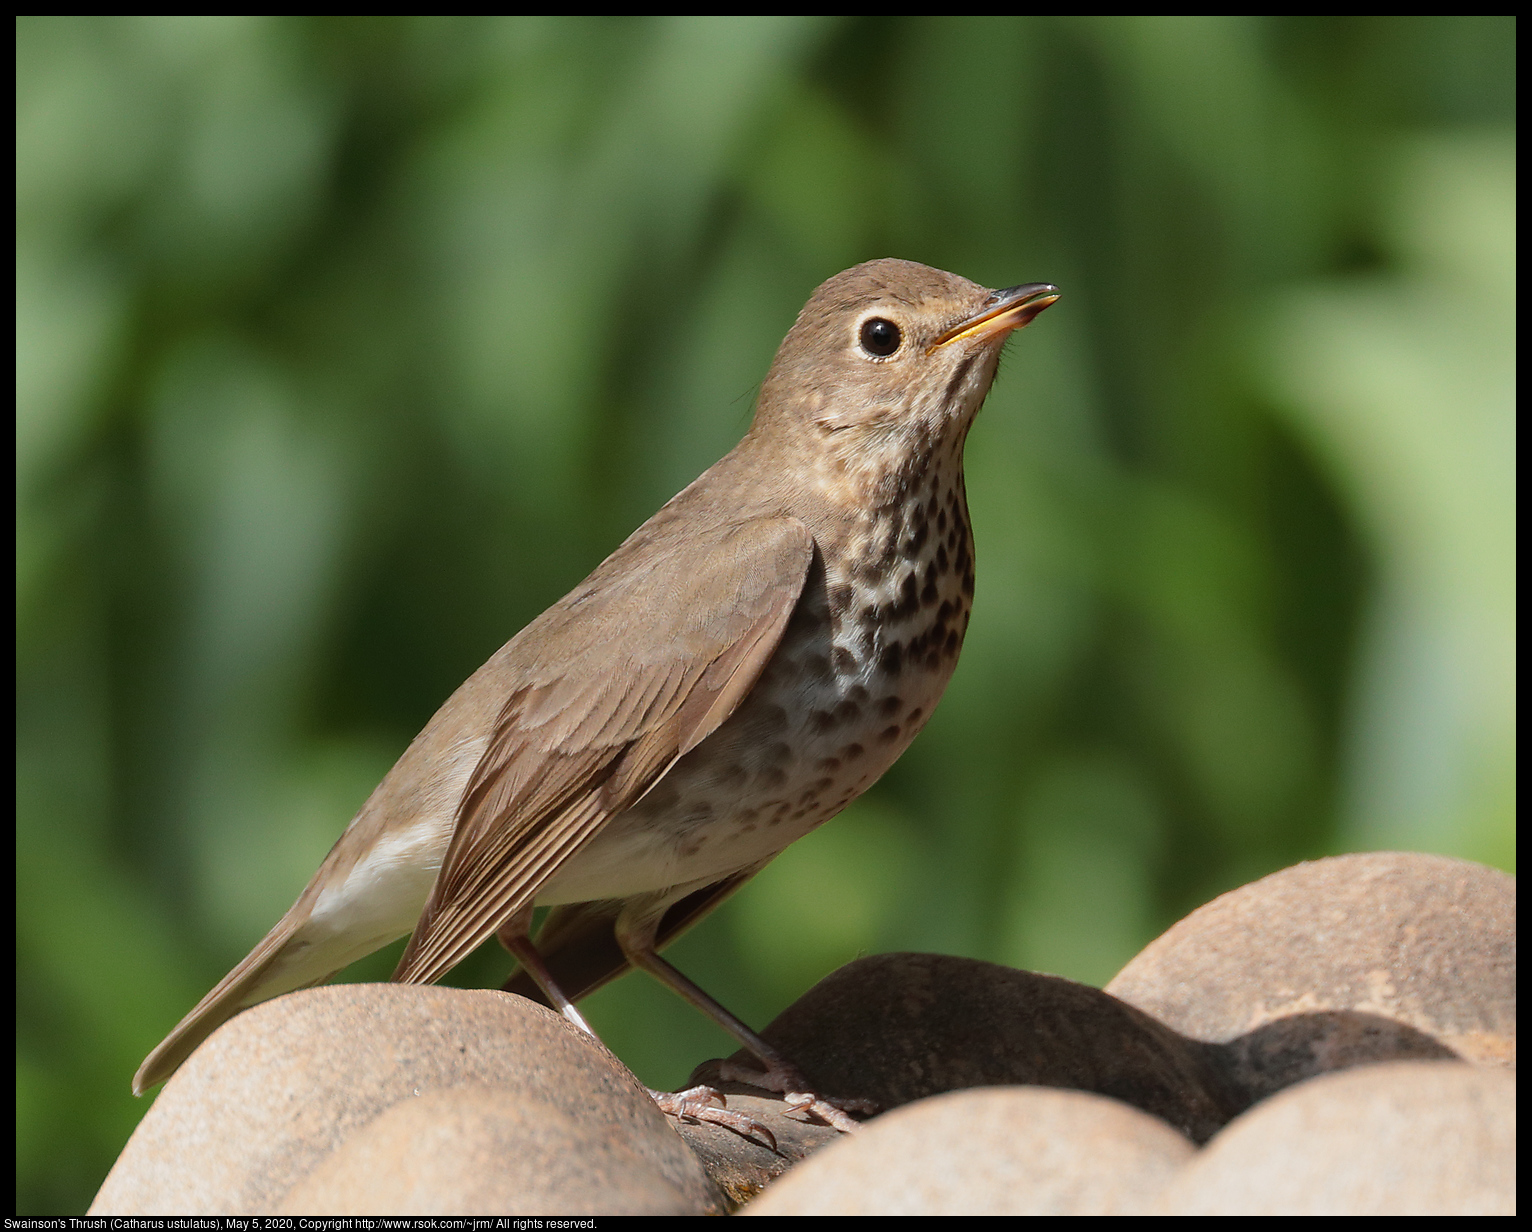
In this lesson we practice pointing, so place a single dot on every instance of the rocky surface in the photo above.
(1402, 1138)
(327, 1089)
(1371, 957)
(1006, 1150)
(1339, 1037)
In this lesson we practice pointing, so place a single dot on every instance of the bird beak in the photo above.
(1007, 310)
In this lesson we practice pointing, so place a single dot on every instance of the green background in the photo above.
(344, 347)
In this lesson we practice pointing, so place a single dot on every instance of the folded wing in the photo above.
(624, 676)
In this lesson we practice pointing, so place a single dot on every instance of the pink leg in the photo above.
(779, 1075)
(697, 1103)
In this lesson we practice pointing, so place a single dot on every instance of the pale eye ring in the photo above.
(880, 337)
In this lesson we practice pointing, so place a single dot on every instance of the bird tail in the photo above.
(254, 979)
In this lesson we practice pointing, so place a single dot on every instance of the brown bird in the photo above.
(744, 665)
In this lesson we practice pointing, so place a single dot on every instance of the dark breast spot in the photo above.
(891, 659)
(813, 665)
(845, 661)
(889, 705)
(889, 733)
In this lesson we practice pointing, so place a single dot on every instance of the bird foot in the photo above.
(789, 1082)
(710, 1107)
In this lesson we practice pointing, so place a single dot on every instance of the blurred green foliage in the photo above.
(345, 346)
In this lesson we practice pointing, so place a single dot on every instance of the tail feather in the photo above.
(243, 986)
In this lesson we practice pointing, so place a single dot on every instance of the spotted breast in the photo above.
(861, 667)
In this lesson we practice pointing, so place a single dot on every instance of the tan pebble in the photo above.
(1353, 959)
(994, 1151)
(495, 1151)
(278, 1089)
(1405, 1138)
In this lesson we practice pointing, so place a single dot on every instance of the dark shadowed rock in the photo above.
(895, 1028)
(742, 1167)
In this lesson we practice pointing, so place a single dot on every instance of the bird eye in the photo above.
(880, 337)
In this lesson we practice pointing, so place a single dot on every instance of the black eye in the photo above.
(880, 336)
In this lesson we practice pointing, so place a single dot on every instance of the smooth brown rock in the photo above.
(493, 1150)
(995, 1151)
(895, 1028)
(1406, 1138)
(1338, 962)
(279, 1088)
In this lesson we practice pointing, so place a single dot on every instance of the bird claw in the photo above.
(710, 1107)
(790, 1083)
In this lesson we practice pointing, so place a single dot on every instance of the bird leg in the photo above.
(636, 937)
(515, 936)
(698, 1103)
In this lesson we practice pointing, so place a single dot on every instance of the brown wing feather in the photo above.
(630, 672)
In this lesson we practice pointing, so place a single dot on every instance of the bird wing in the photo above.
(628, 673)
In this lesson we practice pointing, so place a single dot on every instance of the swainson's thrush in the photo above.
(749, 661)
